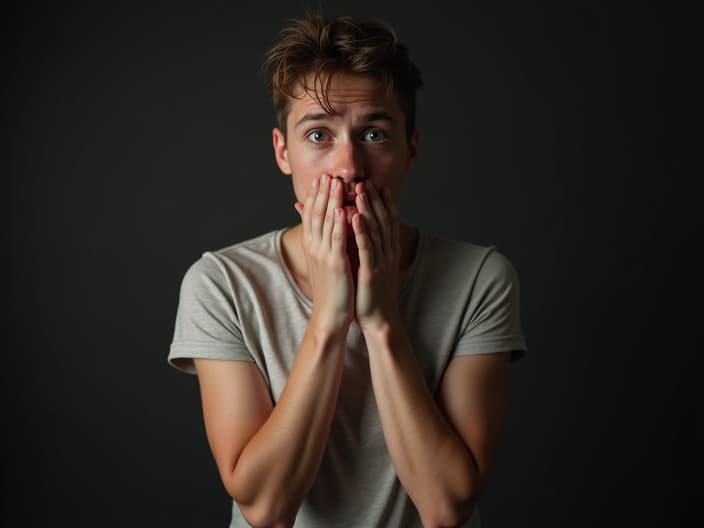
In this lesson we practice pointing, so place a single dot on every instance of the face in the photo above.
(364, 140)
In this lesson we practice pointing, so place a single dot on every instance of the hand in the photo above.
(325, 248)
(377, 234)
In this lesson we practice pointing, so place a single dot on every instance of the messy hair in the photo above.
(313, 49)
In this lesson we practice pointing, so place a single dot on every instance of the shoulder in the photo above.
(486, 263)
(261, 247)
(484, 281)
(220, 265)
(256, 250)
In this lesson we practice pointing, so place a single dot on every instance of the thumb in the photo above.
(298, 206)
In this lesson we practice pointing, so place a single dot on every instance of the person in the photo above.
(352, 369)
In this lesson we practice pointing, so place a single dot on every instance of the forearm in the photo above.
(278, 466)
(433, 464)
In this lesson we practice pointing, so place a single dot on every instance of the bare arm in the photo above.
(268, 456)
(441, 451)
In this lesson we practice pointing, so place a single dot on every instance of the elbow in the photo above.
(452, 509)
(265, 512)
(260, 515)
(260, 510)
(447, 515)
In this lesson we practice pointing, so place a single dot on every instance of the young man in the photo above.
(352, 370)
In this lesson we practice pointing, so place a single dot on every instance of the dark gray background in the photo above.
(140, 136)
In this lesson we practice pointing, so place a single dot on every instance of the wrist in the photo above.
(382, 331)
(327, 329)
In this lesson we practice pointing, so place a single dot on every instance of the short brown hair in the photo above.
(314, 45)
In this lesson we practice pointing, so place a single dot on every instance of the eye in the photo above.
(375, 135)
(318, 136)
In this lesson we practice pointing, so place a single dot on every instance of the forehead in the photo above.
(346, 94)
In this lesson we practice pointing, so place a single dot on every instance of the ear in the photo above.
(412, 150)
(280, 151)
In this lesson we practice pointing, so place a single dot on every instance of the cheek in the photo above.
(304, 167)
(388, 172)
(387, 169)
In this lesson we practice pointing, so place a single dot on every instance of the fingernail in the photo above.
(334, 183)
(314, 183)
(338, 212)
(324, 179)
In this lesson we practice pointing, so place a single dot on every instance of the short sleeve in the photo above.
(492, 322)
(207, 323)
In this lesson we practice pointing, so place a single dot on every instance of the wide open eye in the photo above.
(375, 135)
(318, 136)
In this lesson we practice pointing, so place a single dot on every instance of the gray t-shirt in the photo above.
(241, 303)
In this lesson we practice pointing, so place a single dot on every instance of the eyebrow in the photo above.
(324, 116)
(319, 116)
(379, 116)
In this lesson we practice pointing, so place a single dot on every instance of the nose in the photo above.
(347, 162)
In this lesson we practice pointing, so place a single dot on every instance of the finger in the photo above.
(339, 232)
(394, 221)
(371, 226)
(299, 207)
(308, 207)
(382, 216)
(334, 202)
(320, 205)
(364, 244)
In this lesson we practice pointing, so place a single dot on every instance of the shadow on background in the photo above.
(140, 137)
